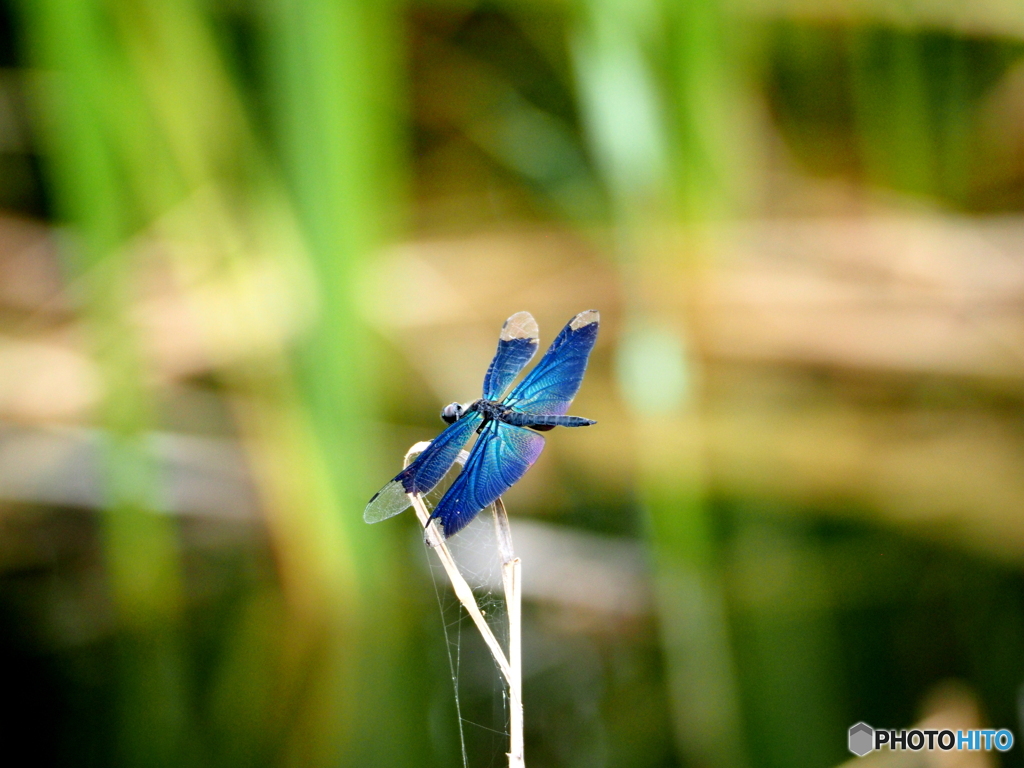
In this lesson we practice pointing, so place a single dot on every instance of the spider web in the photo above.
(480, 691)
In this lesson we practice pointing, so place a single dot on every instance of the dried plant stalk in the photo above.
(511, 570)
(511, 666)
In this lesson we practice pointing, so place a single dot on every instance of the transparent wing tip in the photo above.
(387, 502)
(520, 326)
(584, 318)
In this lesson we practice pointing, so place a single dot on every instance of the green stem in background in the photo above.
(891, 109)
(332, 68)
(70, 42)
(329, 62)
(132, 154)
(954, 140)
(665, 193)
(708, 127)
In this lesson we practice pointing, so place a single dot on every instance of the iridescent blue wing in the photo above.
(424, 473)
(500, 456)
(550, 387)
(516, 347)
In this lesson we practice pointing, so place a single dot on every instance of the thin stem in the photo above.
(511, 576)
(462, 589)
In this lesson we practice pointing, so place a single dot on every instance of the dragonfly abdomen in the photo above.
(544, 423)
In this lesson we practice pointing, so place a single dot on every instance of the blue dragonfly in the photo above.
(507, 441)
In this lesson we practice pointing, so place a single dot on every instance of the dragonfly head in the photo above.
(451, 413)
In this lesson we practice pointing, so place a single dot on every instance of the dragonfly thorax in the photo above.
(491, 410)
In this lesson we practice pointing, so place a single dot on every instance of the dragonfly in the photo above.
(506, 425)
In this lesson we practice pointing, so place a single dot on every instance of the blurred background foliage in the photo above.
(248, 248)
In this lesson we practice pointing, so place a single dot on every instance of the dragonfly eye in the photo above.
(451, 413)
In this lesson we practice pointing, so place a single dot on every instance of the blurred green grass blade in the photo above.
(694, 621)
(787, 637)
(707, 115)
(70, 41)
(665, 70)
(659, 384)
(334, 90)
(955, 139)
(74, 44)
(891, 108)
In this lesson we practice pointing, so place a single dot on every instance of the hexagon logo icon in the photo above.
(861, 739)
